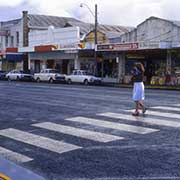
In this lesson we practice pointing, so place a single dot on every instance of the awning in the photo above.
(13, 57)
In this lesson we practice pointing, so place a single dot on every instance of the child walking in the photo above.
(138, 88)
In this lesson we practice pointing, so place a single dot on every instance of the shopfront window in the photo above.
(87, 65)
(110, 68)
(176, 64)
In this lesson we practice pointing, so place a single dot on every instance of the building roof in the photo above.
(174, 22)
(45, 21)
(10, 23)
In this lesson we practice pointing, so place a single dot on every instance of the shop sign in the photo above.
(12, 49)
(71, 51)
(4, 33)
(68, 46)
(2, 52)
(135, 56)
(165, 45)
(149, 45)
(117, 47)
(45, 48)
(176, 44)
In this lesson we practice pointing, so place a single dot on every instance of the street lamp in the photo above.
(95, 31)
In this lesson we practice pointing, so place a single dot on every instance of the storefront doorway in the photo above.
(37, 66)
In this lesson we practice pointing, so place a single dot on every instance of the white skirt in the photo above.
(138, 91)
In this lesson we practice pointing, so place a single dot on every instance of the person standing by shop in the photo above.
(138, 88)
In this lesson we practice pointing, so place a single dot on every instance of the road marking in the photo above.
(163, 114)
(166, 108)
(4, 177)
(113, 125)
(141, 119)
(38, 141)
(95, 136)
(13, 156)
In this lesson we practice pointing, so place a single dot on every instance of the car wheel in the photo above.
(69, 81)
(51, 80)
(8, 78)
(86, 82)
(17, 78)
(38, 80)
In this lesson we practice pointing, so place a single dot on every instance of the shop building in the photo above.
(106, 62)
(53, 42)
(159, 41)
(154, 42)
(10, 40)
(18, 34)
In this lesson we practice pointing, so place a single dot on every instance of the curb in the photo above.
(175, 88)
(12, 171)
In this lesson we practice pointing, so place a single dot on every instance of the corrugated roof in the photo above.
(45, 21)
(175, 22)
(10, 23)
(114, 29)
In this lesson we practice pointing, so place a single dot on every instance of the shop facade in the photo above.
(11, 59)
(161, 64)
(158, 43)
(63, 61)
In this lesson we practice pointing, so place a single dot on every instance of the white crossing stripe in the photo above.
(95, 136)
(113, 125)
(166, 108)
(38, 141)
(163, 114)
(13, 156)
(141, 119)
(176, 104)
(157, 113)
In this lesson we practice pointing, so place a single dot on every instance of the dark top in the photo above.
(138, 75)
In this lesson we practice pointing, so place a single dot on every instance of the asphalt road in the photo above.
(85, 132)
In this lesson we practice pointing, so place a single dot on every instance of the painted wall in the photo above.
(153, 30)
(61, 36)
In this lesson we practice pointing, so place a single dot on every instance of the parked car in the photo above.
(50, 75)
(81, 76)
(2, 75)
(19, 75)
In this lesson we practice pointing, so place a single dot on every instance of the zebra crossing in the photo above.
(109, 120)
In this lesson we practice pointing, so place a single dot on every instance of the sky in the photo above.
(112, 12)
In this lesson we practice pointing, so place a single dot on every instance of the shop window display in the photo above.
(110, 68)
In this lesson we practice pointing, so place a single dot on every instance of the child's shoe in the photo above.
(136, 113)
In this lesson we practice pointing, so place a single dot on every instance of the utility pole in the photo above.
(95, 40)
(25, 39)
(95, 15)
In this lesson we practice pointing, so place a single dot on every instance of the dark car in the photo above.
(2, 75)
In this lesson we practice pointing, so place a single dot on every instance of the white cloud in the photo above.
(129, 12)
(10, 3)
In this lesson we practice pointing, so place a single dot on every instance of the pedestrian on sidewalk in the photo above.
(138, 88)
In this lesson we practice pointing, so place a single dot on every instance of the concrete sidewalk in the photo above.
(11, 171)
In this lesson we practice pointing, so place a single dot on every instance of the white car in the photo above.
(81, 76)
(50, 75)
(19, 75)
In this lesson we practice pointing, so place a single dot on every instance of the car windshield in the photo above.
(22, 72)
(84, 73)
(87, 73)
(53, 71)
